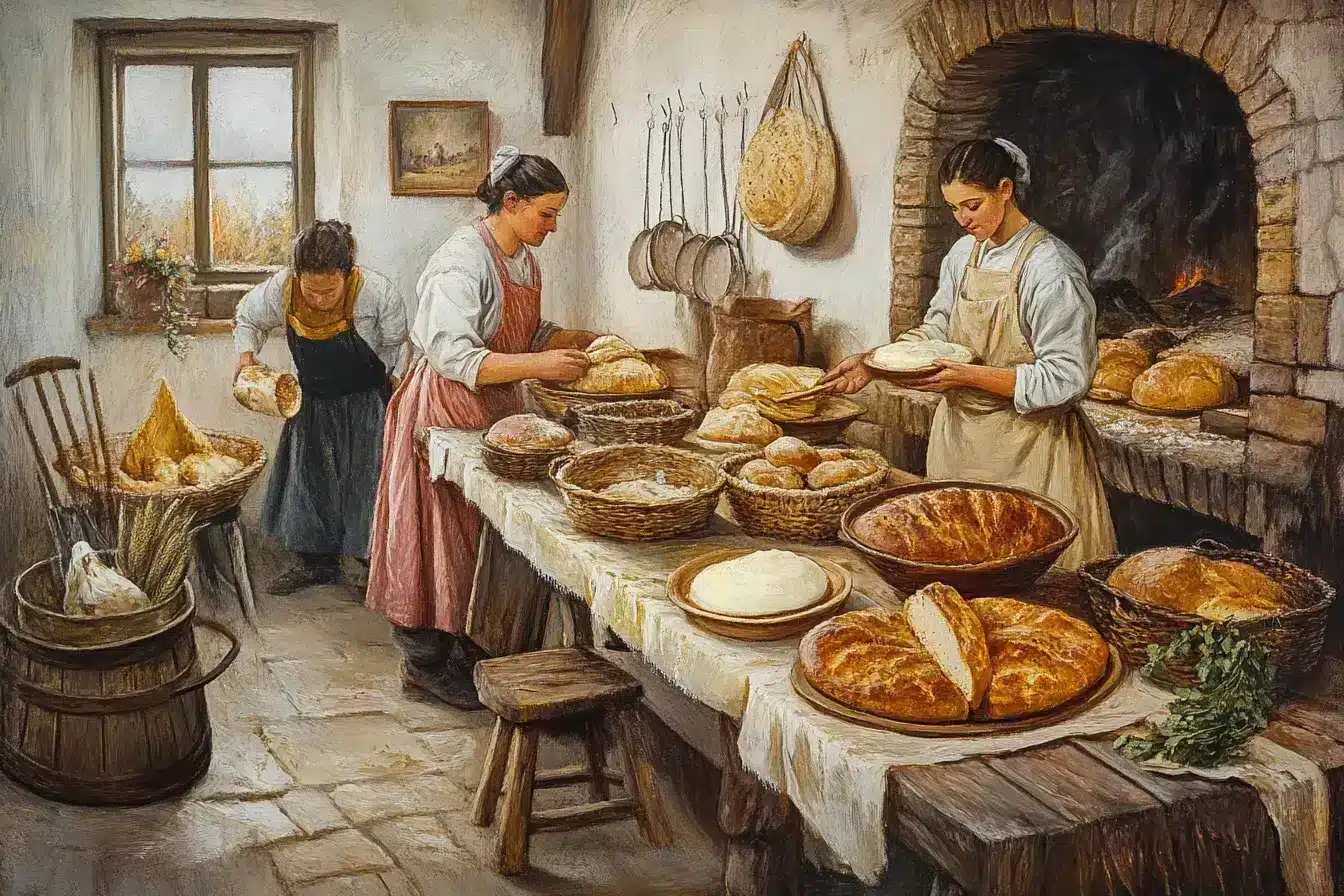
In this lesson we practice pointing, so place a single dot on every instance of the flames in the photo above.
(1192, 276)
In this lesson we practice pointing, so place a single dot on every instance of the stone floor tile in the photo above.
(318, 752)
(460, 753)
(250, 872)
(417, 713)
(333, 855)
(398, 884)
(434, 860)
(313, 812)
(335, 686)
(241, 768)
(366, 802)
(359, 885)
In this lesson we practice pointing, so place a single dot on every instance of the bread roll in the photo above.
(1185, 580)
(1119, 362)
(762, 472)
(1041, 657)
(766, 382)
(951, 632)
(161, 468)
(625, 376)
(1185, 383)
(741, 425)
(528, 432)
(957, 525)
(761, 583)
(831, 453)
(830, 473)
(793, 453)
(872, 661)
(206, 469)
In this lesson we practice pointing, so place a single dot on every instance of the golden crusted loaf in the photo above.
(528, 432)
(949, 629)
(872, 661)
(605, 349)
(733, 399)
(1041, 657)
(794, 453)
(624, 376)
(1119, 363)
(766, 382)
(205, 469)
(1184, 580)
(830, 473)
(741, 425)
(762, 472)
(1185, 383)
(958, 525)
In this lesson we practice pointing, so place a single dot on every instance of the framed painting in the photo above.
(438, 147)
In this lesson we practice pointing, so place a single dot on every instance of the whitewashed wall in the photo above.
(49, 205)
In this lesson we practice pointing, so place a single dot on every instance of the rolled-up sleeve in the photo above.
(392, 331)
(259, 312)
(447, 324)
(545, 330)
(1061, 316)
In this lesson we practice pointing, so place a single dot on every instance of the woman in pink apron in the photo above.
(1018, 297)
(478, 332)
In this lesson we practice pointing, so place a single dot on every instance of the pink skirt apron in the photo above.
(422, 557)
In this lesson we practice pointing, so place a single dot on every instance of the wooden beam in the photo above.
(561, 61)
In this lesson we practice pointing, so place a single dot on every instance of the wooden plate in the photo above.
(773, 627)
(1115, 673)
(721, 447)
(1165, 412)
(903, 373)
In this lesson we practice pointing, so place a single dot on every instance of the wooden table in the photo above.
(1071, 817)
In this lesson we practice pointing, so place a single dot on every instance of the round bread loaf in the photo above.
(1185, 383)
(900, 357)
(733, 398)
(1185, 580)
(958, 525)
(872, 661)
(739, 425)
(762, 583)
(1119, 363)
(605, 349)
(762, 472)
(1041, 657)
(623, 376)
(794, 453)
(830, 473)
(951, 632)
(765, 383)
(528, 432)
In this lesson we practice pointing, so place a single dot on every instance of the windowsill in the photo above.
(116, 325)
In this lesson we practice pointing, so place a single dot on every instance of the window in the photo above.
(207, 136)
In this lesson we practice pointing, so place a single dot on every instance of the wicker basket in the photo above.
(523, 466)
(581, 476)
(826, 428)
(559, 404)
(794, 514)
(204, 500)
(994, 577)
(1294, 637)
(657, 421)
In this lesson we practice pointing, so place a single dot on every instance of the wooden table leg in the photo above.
(492, 775)
(764, 855)
(641, 779)
(242, 574)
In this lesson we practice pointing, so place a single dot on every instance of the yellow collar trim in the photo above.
(317, 324)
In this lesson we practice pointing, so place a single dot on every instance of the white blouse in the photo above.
(1058, 316)
(380, 316)
(461, 304)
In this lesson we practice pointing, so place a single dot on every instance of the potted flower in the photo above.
(152, 281)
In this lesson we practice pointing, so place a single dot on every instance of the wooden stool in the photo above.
(240, 572)
(530, 691)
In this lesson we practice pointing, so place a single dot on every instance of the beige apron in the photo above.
(982, 437)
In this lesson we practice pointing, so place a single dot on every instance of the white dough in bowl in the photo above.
(760, 584)
(899, 356)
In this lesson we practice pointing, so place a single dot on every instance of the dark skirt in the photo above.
(325, 474)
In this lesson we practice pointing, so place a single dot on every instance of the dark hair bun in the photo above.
(981, 162)
(325, 246)
(528, 178)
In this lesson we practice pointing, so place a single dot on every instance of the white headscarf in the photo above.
(1023, 178)
(502, 162)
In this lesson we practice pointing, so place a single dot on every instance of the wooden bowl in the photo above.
(1003, 576)
(756, 628)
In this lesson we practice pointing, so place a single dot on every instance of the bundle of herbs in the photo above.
(1232, 702)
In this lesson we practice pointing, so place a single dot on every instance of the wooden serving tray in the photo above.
(774, 627)
(1165, 412)
(1115, 673)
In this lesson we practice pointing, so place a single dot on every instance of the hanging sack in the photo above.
(787, 184)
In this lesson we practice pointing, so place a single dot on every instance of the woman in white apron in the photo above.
(1018, 297)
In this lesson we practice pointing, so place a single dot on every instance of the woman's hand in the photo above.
(245, 359)
(849, 376)
(560, 365)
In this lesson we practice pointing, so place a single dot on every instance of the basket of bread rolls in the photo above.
(796, 492)
(617, 371)
(523, 446)
(1152, 596)
(170, 457)
(660, 421)
(982, 539)
(638, 492)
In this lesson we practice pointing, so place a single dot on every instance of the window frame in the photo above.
(202, 50)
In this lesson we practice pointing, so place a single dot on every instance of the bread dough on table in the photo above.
(762, 583)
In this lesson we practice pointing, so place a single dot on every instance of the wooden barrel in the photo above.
(109, 726)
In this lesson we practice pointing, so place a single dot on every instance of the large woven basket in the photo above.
(523, 466)
(994, 577)
(559, 404)
(795, 514)
(657, 421)
(581, 477)
(205, 501)
(1294, 637)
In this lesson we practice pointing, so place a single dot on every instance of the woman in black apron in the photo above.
(345, 328)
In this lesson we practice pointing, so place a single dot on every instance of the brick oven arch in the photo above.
(1229, 36)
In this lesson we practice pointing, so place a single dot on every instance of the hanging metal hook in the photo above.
(614, 120)
(681, 103)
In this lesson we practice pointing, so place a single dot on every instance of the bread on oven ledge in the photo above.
(945, 659)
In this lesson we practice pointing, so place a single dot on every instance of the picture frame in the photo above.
(437, 147)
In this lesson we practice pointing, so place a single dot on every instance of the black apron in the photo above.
(319, 499)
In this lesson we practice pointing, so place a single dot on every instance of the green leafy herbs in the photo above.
(1231, 703)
